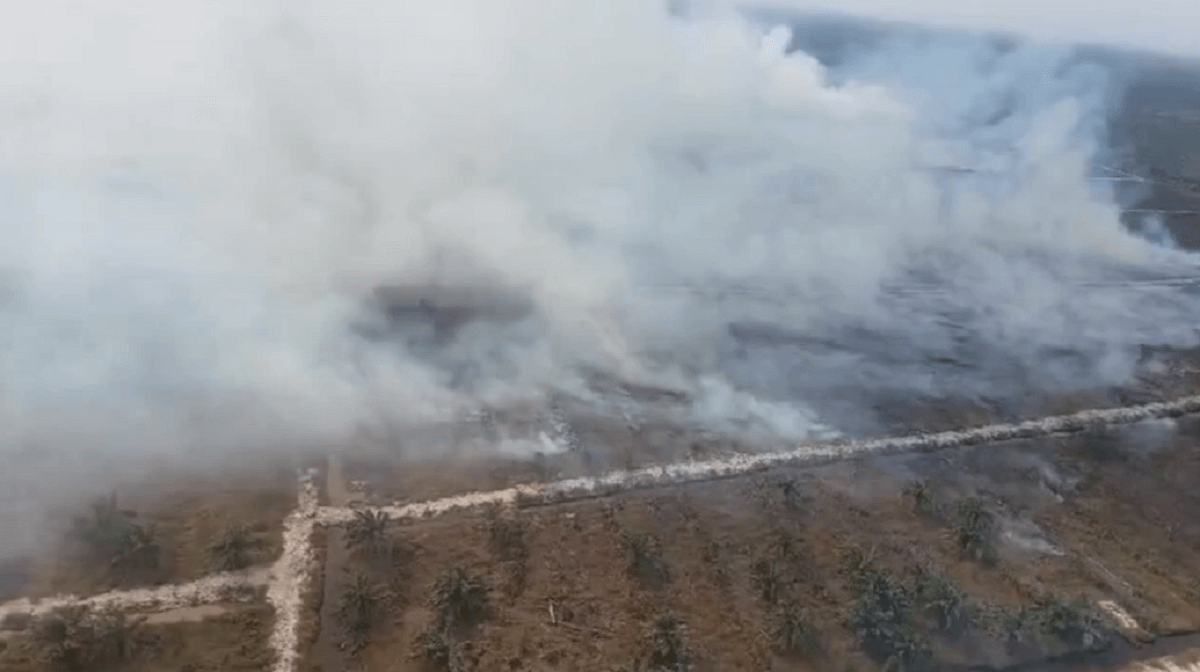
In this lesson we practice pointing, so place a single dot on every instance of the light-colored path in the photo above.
(339, 495)
(290, 576)
(186, 614)
(287, 579)
(1185, 662)
(690, 472)
(217, 588)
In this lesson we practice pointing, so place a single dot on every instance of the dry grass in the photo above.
(233, 550)
(815, 566)
(82, 640)
(169, 531)
(112, 538)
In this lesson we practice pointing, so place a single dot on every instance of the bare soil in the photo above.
(704, 576)
(233, 641)
(399, 474)
(187, 515)
(1095, 517)
(603, 444)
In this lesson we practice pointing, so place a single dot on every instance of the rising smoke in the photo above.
(1159, 26)
(201, 199)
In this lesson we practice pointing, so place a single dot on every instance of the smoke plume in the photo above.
(234, 226)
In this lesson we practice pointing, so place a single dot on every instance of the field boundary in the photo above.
(678, 473)
(287, 580)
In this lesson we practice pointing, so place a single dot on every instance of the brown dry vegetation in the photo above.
(178, 530)
(394, 474)
(984, 556)
(399, 473)
(78, 640)
(988, 555)
(1164, 375)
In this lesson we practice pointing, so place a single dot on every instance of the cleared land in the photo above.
(1067, 552)
(991, 555)
(217, 638)
(973, 554)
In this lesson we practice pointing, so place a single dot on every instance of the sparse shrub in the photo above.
(515, 576)
(357, 609)
(367, 530)
(793, 632)
(912, 653)
(766, 580)
(645, 559)
(367, 538)
(668, 645)
(974, 528)
(506, 537)
(1102, 444)
(111, 536)
(76, 639)
(1004, 623)
(785, 545)
(882, 594)
(855, 561)
(780, 491)
(713, 555)
(941, 600)
(233, 549)
(439, 651)
(922, 497)
(608, 514)
(689, 515)
(879, 621)
(399, 554)
(1073, 623)
(459, 599)
(113, 636)
(789, 493)
(140, 551)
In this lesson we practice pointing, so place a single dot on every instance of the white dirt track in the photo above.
(287, 579)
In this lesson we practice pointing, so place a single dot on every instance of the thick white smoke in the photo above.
(1159, 26)
(198, 197)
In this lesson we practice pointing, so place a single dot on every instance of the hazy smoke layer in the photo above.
(1162, 26)
(200, 197)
